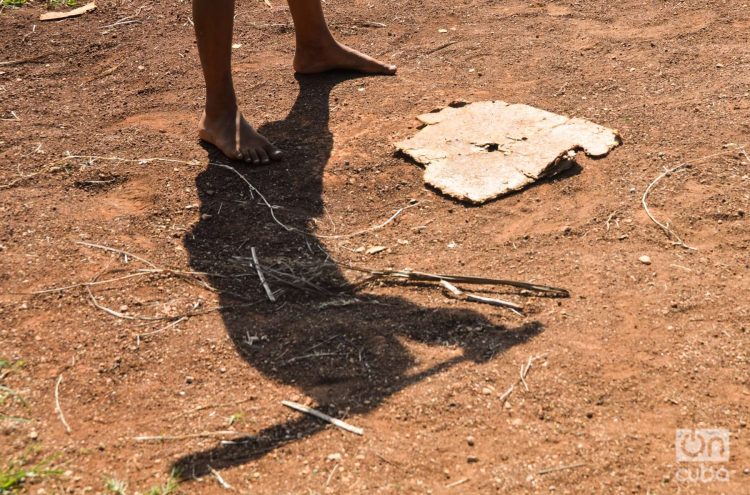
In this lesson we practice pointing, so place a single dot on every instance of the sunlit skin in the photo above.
(222, 123)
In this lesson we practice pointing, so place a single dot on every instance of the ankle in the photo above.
(315, 45)
(220, 111)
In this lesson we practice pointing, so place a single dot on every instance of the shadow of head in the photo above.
(344, 350)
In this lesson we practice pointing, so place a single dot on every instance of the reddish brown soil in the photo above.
(637, 351)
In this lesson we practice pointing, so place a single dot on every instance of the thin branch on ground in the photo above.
(314, 412)
(665, 226)
(262, 278)
(221, 481)
(671, 234)
(432, 277)
(58, 409)
(288, 228)
(205, 434)
(459, 294)
(118, 251)
(506, 394)
(457, 483)
(522, 375)
(163, 329)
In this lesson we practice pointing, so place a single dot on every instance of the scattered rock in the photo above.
(334, 457)
(470, 440)
(189, 380)
(472, 459)
(646, 260)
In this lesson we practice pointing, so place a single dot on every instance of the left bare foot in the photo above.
(335, 56)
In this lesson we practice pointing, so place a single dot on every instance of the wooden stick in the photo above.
(457, 483)
(262, 277)
(58, 409)
(221, 481)
(481, 299)
(314, 412)
(205, 434)
(506, 394)
(452, 288)
(523, 373)
(460, 279)
(494, 302)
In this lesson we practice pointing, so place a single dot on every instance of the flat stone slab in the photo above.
(480, 151)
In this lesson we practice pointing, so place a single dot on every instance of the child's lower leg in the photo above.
(222, 123)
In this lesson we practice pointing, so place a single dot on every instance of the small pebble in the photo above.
(746, 471)
(567, 229)
(334, 457)
(33, 435)
(472, 459)
(470, 441)
(646, 260)
(189, 379)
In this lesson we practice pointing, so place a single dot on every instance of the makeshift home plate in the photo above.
(480, 151)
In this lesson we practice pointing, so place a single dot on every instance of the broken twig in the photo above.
(205, 434)
(481, 299)
(218, 477)
(665, 226)
(457, 483)
(314, 412)
(461, 279)
(262, 278)
(58, 409)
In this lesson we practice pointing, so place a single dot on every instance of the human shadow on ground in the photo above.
(343, 353)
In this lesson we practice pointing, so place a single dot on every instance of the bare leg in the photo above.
(222, 123)
(317, 50)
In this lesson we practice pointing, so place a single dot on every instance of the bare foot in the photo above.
(237, 139)
(335, 56)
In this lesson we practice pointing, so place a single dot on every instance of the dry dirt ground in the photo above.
(638, 350)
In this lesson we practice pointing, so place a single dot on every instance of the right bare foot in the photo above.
(237, 139)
